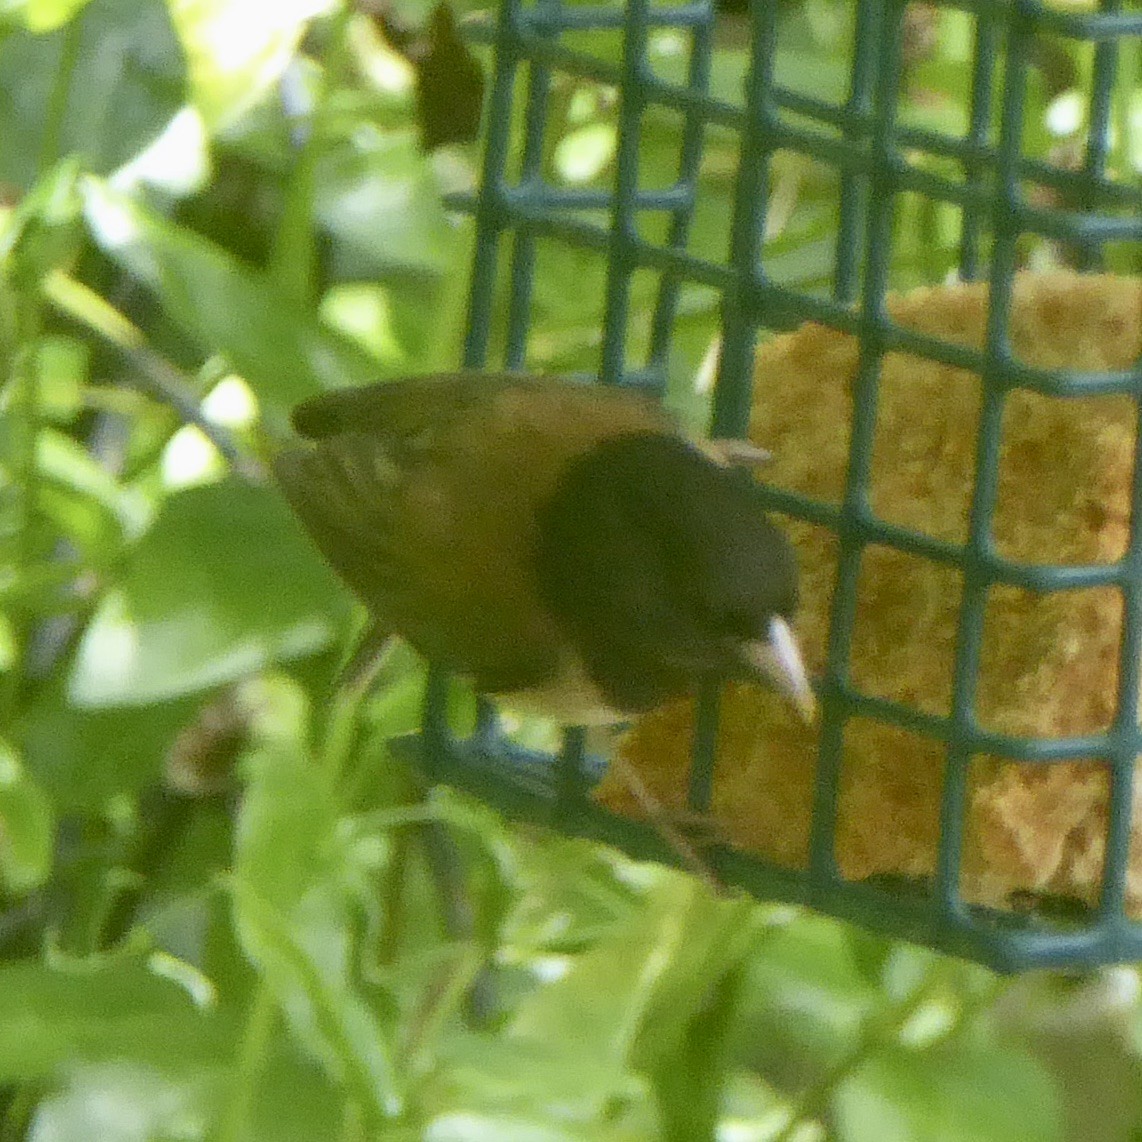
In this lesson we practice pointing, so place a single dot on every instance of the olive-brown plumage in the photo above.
(560, 544)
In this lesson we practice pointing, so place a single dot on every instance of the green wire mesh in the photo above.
(863, 141)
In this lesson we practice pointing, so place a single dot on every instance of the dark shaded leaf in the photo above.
(119, 72)
(449, 84)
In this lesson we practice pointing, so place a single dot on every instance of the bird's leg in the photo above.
(671, 827)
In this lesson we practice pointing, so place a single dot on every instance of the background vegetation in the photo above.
(217, 919)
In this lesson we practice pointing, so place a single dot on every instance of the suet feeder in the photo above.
(958, 466)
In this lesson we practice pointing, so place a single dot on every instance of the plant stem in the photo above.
(52, 137)
(293, 259)
(153, 374)
(25, 419)
(252, 1053)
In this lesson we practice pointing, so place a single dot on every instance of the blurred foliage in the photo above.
(222, 908)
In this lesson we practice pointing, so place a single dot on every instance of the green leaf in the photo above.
(582, 154)
(304, 957)
(285, 830)
(808, 995)
(43, 231)
(380, 196)
(635, 1000)
(363, 312)
(294, 1102)
(823, 76)
(61, 368)
(466, 1126)
(101, 88)
(119, 1102)
(949, 1093)
(717, 937)
(129, 1056)
(812, 72)
(238, 48)
(223, 583)
(27, 828)
(501, 1083)
(224, 305)
(690, 1078)
(84, 757)
(294, 917)
(112, 1009)
(64, 463)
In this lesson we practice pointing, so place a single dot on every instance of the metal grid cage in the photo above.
(863, 139)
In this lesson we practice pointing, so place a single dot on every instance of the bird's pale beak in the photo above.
(778, 661)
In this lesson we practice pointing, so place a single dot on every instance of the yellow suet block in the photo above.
(1050, 661)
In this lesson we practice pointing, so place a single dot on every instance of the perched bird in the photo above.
(561, 545)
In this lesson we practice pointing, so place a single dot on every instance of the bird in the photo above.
(562, 545)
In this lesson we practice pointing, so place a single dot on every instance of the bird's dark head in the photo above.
(666, 571)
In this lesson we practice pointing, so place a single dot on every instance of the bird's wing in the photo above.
(438, 413)
(422, 495)
(416, 554)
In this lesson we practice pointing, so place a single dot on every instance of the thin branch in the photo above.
(154, 374)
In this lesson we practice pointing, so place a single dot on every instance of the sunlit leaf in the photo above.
(381, 196)
(237, 48)
(40, 15)
(469, 1126)
(223, 583)
(364, 313)
(61, 366)
(582, 154)
(124, 1102)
